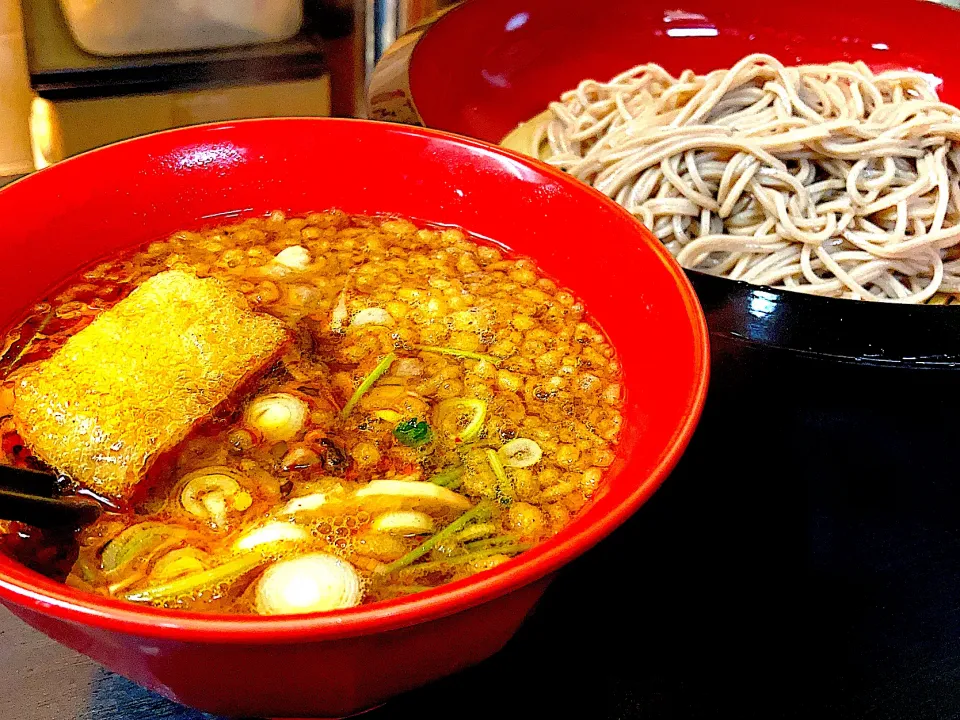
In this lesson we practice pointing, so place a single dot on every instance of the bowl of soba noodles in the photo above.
(800, 160)
(805, 156)
(345, 391)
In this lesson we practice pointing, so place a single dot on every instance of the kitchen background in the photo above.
(56, 99)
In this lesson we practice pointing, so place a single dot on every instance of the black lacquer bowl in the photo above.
(816, 513)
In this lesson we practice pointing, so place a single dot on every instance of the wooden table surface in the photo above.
(41, 680)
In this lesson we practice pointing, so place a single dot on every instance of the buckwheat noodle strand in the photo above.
(825, 179)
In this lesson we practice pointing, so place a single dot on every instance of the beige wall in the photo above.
(15, 97)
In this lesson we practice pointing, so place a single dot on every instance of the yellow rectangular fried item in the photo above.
(131, 385)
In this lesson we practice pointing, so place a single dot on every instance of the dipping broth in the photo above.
(439, 407)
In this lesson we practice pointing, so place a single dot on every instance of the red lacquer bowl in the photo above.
(334, 664)
(487, 65)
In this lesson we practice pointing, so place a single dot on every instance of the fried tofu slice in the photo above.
(131, 385)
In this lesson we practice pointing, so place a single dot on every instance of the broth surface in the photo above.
(442, 406)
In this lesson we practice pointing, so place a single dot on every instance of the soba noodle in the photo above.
(825, 179)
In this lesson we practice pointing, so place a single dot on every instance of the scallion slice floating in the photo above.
(459, 353)
(196, 582)
(520, 453)
(278, 416)
(467, 557)
(404, 522)
(461, 418)
(412, 492)
(504, 486)
(476, 532)
(378, 372)
(491, 542)
(309, 583)
(449, 478)
(137, 542)
(481, 512)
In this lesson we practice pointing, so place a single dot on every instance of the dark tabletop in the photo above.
(59, 70)
(794, 584)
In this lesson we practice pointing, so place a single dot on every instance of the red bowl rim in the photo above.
(24, 587)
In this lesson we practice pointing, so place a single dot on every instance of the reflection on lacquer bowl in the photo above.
(341, 662)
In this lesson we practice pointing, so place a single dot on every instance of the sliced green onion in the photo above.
(470, 413)
(413, 433)
(309, 583)
(504, 486)
(277, 416)
(449, 478)
(196, 582)
(371, 316)
(339, 315)
(407, 589)
(87, 573)
(458, 353)
(520, 453)
(178, 563)
(404, 522)
(137, 541)
(467, 557)
(272, 534)
(209, 493)
(400, 492)
(476, 532)
(491, 542)
(481, 511)
(378, 372)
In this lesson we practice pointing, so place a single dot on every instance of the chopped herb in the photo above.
(413, 433)
(137, 541)
(476, 531)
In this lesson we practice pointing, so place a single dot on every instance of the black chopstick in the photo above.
(30, 482)
(34, 498)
